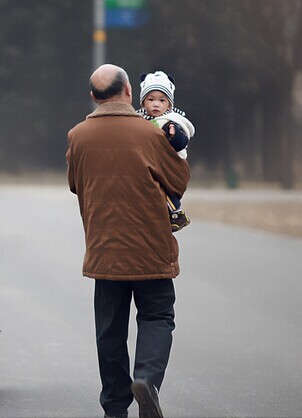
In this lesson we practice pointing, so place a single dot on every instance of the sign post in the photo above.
(99, 34)
(114, 14)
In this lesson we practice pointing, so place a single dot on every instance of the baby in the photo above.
(157, 101)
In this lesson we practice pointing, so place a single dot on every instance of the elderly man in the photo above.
(120, 166)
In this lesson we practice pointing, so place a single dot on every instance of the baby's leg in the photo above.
(173, 203)
(178, 217)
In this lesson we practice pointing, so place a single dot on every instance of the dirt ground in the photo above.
(278, 212)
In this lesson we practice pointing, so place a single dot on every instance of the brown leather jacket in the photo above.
(120, 167)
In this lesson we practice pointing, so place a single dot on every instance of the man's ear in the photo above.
(128, 90)
(92, 96)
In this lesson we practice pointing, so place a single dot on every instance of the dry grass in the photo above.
(282, 217)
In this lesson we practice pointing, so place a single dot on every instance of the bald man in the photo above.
(117, 163)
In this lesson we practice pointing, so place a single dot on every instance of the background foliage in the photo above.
(237, 66)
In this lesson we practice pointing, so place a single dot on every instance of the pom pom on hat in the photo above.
(157, 81)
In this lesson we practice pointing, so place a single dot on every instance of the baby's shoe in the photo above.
(178, 220)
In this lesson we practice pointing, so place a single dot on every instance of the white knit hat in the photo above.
(157, 81)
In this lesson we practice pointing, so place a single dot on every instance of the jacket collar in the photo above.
(113, 109)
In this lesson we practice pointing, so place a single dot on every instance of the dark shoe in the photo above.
(146, 396)
(178, 220)
(124, 415)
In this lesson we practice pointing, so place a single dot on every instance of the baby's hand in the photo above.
(171, 130)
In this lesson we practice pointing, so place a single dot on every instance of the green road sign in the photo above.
(133, 4)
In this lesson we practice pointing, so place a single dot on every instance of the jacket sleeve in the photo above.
(70, 165)
(180, 140)
(172, 172)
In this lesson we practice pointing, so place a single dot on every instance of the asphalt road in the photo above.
(238, 342)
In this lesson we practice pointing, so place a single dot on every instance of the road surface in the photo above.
(238, 342)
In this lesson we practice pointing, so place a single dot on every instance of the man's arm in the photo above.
(172, 172)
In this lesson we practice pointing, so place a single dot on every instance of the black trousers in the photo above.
(154, 300)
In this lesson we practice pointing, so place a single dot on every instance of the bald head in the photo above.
(110, 82)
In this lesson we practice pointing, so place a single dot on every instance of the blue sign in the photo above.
(125, 18)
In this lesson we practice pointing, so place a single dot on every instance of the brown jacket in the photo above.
(120, 167)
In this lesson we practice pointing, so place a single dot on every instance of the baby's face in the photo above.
(156, 103)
